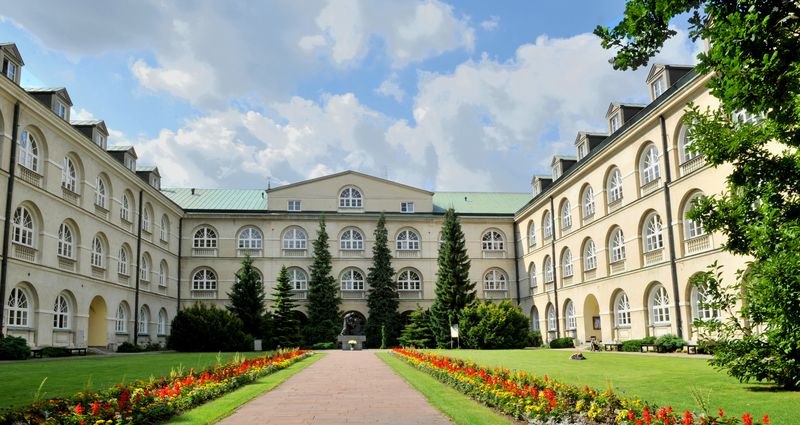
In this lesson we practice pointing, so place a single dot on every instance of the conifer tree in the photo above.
(285, 326)
(324, 317)
(454, 291)
(383, 324)
(417, 333)
(247, 299)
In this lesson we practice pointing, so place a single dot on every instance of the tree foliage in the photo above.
(247, 299)
(754, 63)
(324, 317)
(417, 333)
(493, 326)
(285, 326)
(383, 324)
(454, 291)
(208, 328)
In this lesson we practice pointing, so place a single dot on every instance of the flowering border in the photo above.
(541, 400)
(155, 400)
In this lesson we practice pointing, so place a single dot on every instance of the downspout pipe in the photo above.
(7, 224)
(517, 259)
(180, 246)
(553, 262)
(673, 267)
(138, 274)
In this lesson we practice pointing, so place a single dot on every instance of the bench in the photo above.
(37, 352)
(691, 348)
(78, 351)
(656, 347)
(612, 346)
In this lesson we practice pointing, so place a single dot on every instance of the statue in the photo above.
(352, 324)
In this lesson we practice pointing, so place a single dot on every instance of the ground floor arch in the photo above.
(98, 322)
(592, 323)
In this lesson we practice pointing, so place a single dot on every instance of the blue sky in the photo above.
(468, 95)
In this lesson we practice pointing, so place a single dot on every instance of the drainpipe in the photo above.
(673, 267)
(517, 258)
(555, 275)
(7, 224)
(138, 274)
(180, 245)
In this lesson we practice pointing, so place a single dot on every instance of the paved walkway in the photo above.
(344, 387)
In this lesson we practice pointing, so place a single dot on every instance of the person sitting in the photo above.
(595, 345)
(577, 356)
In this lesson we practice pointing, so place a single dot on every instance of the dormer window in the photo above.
(100, 140)
(294, 205)
(61, 110)
(407, 207)
(537, 188)
(11, 70)
(615, 122)
(154, 181)
(659, 87)
(130, 163)
(557, 170)
(582, 150)
(350, 197)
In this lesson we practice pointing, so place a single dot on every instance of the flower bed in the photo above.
(146, 402)
(541, 400)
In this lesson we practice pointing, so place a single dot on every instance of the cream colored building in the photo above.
(96, 252)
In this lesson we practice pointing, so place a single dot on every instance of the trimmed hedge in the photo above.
(494, 326)
(14, 348)
(671, 343)
(208, 328)
(565, 342)
(635, 345)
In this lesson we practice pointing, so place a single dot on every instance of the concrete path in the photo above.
(345, 387)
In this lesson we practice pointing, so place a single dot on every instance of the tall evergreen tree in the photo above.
(324, 317)
(383, 324)
(247, 299)
(417, 333)
(285, 326)
(454, 291)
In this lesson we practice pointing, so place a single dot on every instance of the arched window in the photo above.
(69, 175)
(653, 234)
(649, 165)
(164, 228)
(204, 237)
(100, 193)
(162, 322)
(532, 276)
(548, 269)
(351, 239)
(122, 262)
(492, 241)
(569, 312)
(687, 153)
(144, 268)
(408, 240)
(97, 258)
(61, 313)
(617, 246)
(147, 224)
(535, 319)
(204, 280)
(566, 216)
(495, 280)
(18, 308)
(614, 186)
(531, 234)
(692, 228)
(622, 310)
(298, 278)
(23, 227)
(350, 197)
(250, 238)
(547, 226)
(551, 318)
(587, 202)
(659, 305)
(144, 320)
(702, 304)
(295, 238)
(163, 273)
(125, 209)
(66, 242)
(589, 256)
(566, 263)
(409, 280)
(352, 280)
(121, 324)
(28, 155)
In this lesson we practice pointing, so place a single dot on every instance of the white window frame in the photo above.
(163, 274)
(547, 225)
(531, 234)
(293, 205)
(495, 280)
(162, 322)
(125, 208)
(566, 216)
(100, 140)
(298, 278)
(144, 320)
(615, 122)
(587, 202)
(566, 263)
(408, 240)
(650, 165)
(250, 238)
(147, 225)
(407, 207)
(144, 268)
(569, 312)
(659, 306)
(204, 237)
(653, 234)
(23, 228)
(548, 269)
(701, 305)
(121, 322)
(533, 279)
(551, 319)
(589, 256)
(204, 279)
(11, 70)
(69, 175)
(582, 150)
(692, 229)
(685, 143)
(614, 186)
(19, 308)
(61, 109)
(164, 233)
(492, 240)
(351, 197)
(409, 280)
(295, 238)
(617, 246)
(659, 87)
(352, 280)
(66, 242)
(97, 257)
(122, 262)
(61, 313)
(100, 193)
(28, 155)
(351, 240)
(622, 311)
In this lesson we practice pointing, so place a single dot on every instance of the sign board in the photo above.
(454, 331)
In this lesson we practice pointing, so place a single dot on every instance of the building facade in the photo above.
(96, 252)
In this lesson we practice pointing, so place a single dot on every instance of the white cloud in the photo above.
(490, 24)
(81, 115)
(390, 87)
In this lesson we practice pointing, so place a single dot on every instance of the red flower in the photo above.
(631, 415)
(765, 420)
(747, 419)
(95, 408)
(78, 410)
(720, 412)
(687, 418)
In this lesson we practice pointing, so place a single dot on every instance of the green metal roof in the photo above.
(480, 202)
(218, 199)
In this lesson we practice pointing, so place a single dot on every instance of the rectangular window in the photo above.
(11, 70)
(557, 171)
(658, 87)
(294, 205)
(130, 163)
(407, 207)
(581, 150)
(61, 110)
(100, 140)
(615, 122)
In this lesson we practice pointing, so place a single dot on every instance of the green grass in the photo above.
(20, 380)
(217, 409)
(658, 379)
(458, 407)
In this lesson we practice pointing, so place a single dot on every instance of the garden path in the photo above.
(344, 387)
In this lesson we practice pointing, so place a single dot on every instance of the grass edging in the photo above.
(220, 408)
(455, 405)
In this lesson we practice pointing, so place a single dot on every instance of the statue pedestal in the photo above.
(359, 339)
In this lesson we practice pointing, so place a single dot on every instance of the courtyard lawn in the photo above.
(21, 379)
(661, 379)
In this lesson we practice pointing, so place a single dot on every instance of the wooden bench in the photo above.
(37, 352)
(645, 348)
(691, 348)
(612, 346)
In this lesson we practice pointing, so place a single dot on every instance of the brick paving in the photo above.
(344, 387)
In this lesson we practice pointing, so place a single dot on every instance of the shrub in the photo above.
(323, 346)
(493, 326)
(14, 348)
(55, 352)
(633, 345)
(649, 340)
(670, 343)
(418, 333)
(565, 342)
(127, 347)
(535, 339)
(204, 328)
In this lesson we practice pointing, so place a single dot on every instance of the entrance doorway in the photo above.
(98, 322)
(592, 324)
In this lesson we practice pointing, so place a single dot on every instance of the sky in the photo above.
(443, 95)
